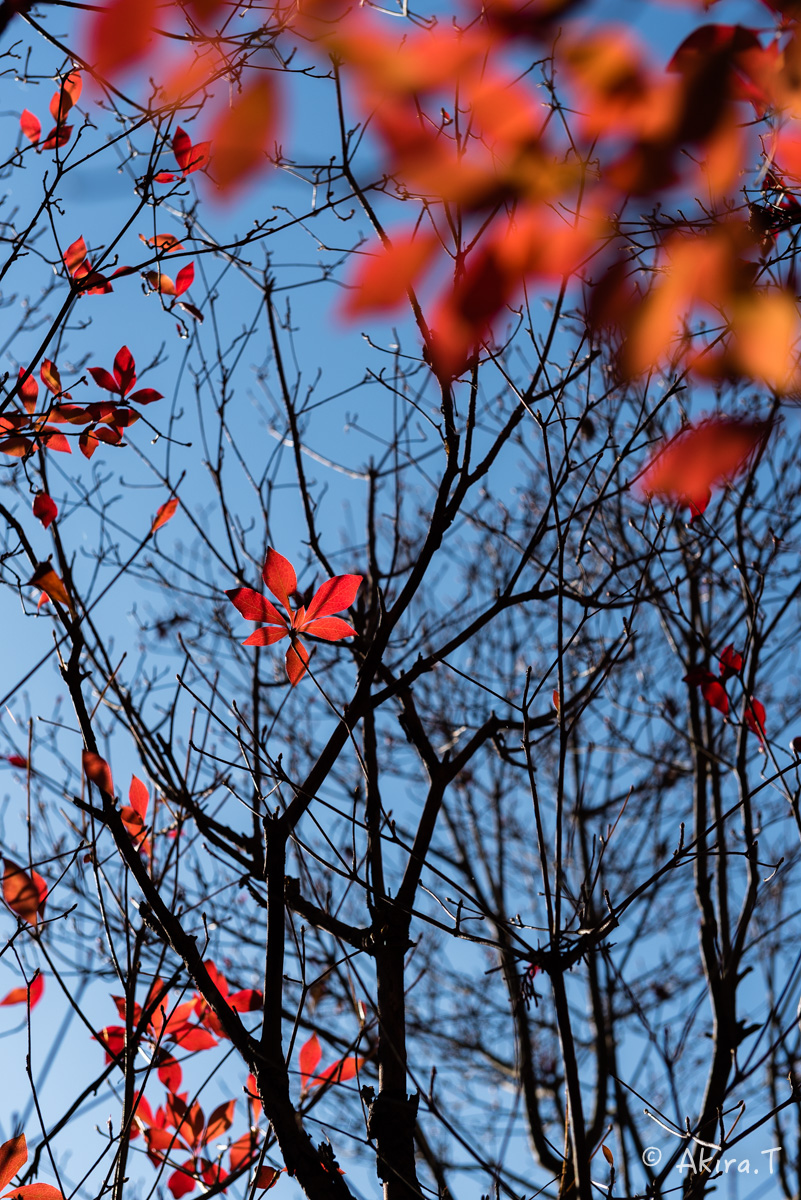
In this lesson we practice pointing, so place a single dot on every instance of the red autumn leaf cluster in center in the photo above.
(317, 620)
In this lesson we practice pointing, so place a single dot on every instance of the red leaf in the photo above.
(30, 126)
(13, 1156)
(34, 1191)
(124, 370)
(267, 1177)
(138, 796)
(20, 892)
(17, 447)
(244, 134)
(755, 718)
(74, 255)
(555, 698)
(220, 1121)
(16, 760)
(48, 372)
(731, 663)
(381, 281)
(309, 1057)
(334, 595)
(279, 576)
(184, 279)
(340, 1071)
(266, 637)
(714, 694)
(164, 177)
(699, 457)
(181, 1182)
(45, 509)
(54, 440)
(248, 1000)
(119, 34)
(331, 629)
(169, 1072)
(29, 390)
(67, 96)
(45, 577)
(19, 995)
(160, 283)
(104, 379)
(144, 396)
(255, 607)
(297, 657)
(98, 770)
(182, 147)
(164, 514)
(58, 136)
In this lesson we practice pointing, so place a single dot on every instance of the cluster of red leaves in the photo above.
(189, 158)
(104, 421)
(338, 1072)
(530, 209)
(713, 691)
(60, 105)
(317, 620)
(685, 470)
(86, 279)
(24, 893)
(13, 1156)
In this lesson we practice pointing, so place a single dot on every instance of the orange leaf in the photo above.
(119, 34)
(382, 280)
(309, 1057)
(34, 1191)
(45, 577)
(19, 995)
(699, 457)
(244, 133)
(13, 1156)
(98, 770)
(74, 255)
(164, 514)
(20, 892)
(30, 126)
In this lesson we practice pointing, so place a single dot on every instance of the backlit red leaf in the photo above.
(182, 1182)
(20, 892)
(45, 509)
(19, 995)
(58, 136)
(13, 1156)
(34, 1191)
(50, 376)
(713, 451)
(119, 34)
(309, 1057)
(124, 370)
(334, 595)
(98, 771)
(220, 1121)
(67, 96)
(74, 255)
(267, 1177)
(731, 663)
(297, 658)
(755, 718)
(279, 576)
(164, 513)
(182, 147)
(45, 577)
(184, 279)
(104, 379)
(30, 126)
(255, 607)
(243, 136)
(144, 396)
(331, 629)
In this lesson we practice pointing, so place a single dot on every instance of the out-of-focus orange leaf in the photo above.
(45, 577)
(98, 770)
(20, 892)
(701, 456)
(164, 514)
(19, 995)
(381, 280)
(120, 34)
(244, 134)
(13, 1156)
(765, 337)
